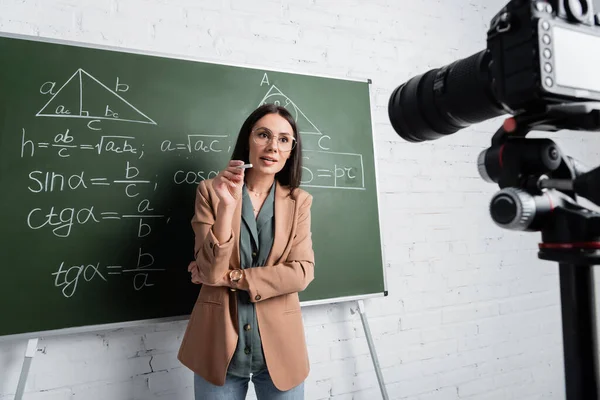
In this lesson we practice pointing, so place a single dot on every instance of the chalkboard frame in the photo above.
(99, 328)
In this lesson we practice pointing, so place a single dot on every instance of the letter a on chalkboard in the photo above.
(276, 96)
(83, 96)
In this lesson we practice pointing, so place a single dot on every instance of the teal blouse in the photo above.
(256, 239)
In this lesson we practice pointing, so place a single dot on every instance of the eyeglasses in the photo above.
(263, 137)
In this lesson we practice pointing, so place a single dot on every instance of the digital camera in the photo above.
(538, 53)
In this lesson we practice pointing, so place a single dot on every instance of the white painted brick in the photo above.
(319, 353)
(479, 341)
(329, 333)
(474, 356)
(59, 394)
(513, 378)
(368, 394)
(112, 390)
(442, 364)
(479, 313)
(447, 393)
(352, 348)
(317, 389)
(430, 350)
(475, 387)
(46, 376)
(366, 46)
(421, 320)
(188, 37)
(164, 361)
(345, 396)
(176, 394)
(323, 314)
(43, 14)
(391, 347)
(164, 382)
(458, 376)
(469, 313)
(358, 382)
(448, 331)
(364, 362)
(268, 8)
(332, 369)
(153, 10)
(304, 16)
(528, 302)
(412, 388)
(381, 326)
(208, 19)
(383, 306)
(122, 30)
(485, 394)
(160, 341)
(275, 30)
(402, 372)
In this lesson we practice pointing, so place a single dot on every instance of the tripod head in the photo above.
(540, 185)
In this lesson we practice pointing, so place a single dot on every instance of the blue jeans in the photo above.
(235, 388)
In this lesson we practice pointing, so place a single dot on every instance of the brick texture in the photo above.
(472, 313)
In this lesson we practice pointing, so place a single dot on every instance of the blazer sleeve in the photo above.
(295, 273)
(211, 256)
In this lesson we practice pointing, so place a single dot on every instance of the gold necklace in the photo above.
(256, 194)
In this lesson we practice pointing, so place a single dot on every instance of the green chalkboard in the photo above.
(101, 150)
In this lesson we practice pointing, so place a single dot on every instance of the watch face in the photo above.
(236, 274)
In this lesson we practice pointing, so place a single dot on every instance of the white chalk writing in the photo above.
(103, 165)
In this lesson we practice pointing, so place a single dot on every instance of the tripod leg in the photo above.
(579, 334)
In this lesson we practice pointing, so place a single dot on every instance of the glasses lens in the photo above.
(263, 137)
(286, 143)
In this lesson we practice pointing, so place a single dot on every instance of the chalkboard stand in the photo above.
(365, 322)
(29, 353)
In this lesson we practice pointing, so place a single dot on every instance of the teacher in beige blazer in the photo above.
(253, 254)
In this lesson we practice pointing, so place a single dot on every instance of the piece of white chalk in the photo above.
(245, 166)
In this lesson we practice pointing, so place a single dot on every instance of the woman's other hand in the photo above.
(195, 276)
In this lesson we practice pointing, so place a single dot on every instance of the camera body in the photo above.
(544, 52)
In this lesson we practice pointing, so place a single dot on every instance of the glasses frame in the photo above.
(294, 141)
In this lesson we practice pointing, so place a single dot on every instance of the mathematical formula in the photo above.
(68, 277)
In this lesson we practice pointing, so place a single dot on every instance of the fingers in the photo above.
(193, 269)
(232, 175)
(191, 266)
(235, 163)
(234, 169)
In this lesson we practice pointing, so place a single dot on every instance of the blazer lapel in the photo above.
(284, 217)
(235, 226)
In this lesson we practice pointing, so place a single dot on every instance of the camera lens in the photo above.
(444, 100)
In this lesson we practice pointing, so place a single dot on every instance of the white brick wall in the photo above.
(472, 313)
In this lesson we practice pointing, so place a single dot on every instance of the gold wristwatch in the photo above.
(235, 275)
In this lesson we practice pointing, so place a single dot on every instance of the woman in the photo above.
(253, 254)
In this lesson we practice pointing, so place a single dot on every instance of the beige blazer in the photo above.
(212, 332)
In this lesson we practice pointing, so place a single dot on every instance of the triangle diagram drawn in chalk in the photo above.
(276, 96)
(83, 96)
